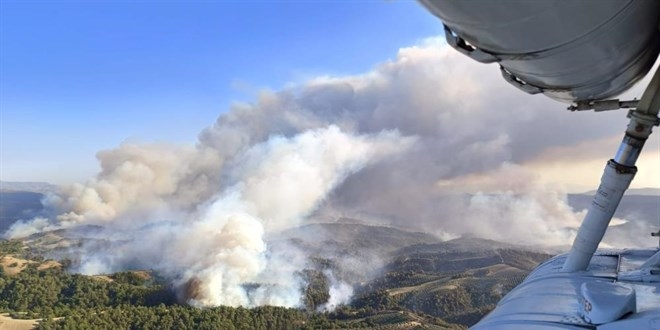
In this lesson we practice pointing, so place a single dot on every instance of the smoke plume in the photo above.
(427, 141)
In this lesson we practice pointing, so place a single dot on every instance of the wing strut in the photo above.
(618, 174)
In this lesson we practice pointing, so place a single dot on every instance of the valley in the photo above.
(400, 279)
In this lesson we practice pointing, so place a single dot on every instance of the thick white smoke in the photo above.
(273, 186)
(340, 293)
(220, 247)
(428, 141)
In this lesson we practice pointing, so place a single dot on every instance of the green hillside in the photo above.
(422, 283)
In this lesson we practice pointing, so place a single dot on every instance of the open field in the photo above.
(7, 323)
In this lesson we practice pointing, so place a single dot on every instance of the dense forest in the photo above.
(137, 300)
(445, 285)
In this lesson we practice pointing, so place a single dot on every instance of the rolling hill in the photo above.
(401, 279)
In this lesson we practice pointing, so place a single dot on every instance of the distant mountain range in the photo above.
(640, 207)
(348, 237)
(18, 205)
(36, 187)
(21, 201)
(401, 278)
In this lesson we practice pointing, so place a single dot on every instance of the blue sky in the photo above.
(80, 76)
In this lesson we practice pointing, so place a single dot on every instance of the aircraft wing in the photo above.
(571, 51)
(583, 52)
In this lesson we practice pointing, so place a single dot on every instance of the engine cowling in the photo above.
(571, 51)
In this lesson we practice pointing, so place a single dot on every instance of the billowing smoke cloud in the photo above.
(427, 141)
(217, 248)
(340, 293)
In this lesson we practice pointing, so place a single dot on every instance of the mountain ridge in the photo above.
(36, 187)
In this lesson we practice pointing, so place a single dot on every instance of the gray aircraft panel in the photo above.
(578, 50)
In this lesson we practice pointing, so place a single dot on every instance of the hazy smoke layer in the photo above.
(217, 248)
(428, 141)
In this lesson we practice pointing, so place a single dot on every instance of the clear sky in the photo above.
(80, 76)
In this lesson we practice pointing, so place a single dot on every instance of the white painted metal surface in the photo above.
(613, 184)
(606, 302)
(552, 299)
